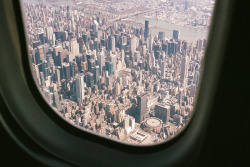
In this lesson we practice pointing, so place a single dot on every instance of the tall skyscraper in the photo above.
(109, 81)
(113, 59)
(192, 90)
(132, 122)
(133, 44)
(62, 54)
(58, 77)
(163, 73)
(56, 102)
(153, 60)
(41, 37)
(90, 79)
(117, 89)
(96, 26)
(74, 46)
(146, 32)
(66, 71)
(184, 70)
(137, 56)
(96, 74)
(49, 34)
(101, 61)
(79, 88)
(142, 107)
(72, 68)
(196, 77)
(36, 72)
(85, 38)
(40, 55)
(109, 67)
(180, 97)
(72, 85)
(162, 112)
(186, 5)
(64, 85)
(47, 96)
(161, 35)
(112, 44)
(176, 34)
(150, 44)
(42, 79)
(199, 45)
(126, 123)
(123, 59)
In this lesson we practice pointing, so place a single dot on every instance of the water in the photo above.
(54, 4)
(190, 34)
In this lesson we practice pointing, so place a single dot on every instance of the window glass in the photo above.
(128, 70)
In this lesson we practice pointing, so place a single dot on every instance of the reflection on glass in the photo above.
(124, 69)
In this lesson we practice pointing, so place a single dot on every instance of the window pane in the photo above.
(127, 70)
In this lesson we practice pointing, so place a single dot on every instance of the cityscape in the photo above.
(127, 70)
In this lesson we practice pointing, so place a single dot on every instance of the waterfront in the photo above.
(188, 33)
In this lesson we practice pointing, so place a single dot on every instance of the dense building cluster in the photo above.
(182, 12)
(117, 80)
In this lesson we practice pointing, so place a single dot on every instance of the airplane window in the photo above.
(127, 70)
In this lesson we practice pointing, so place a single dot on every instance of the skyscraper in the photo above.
(153, 60)
(162, 112)
(72, 68)
(42, 79)
(199, 45)
(146, 32)
(113, 59)
(41, 37)
(150, 44)
(96, 26)
(58, 77)
(112, 44)
(196, 77)
(47, 96)
(137, 56)
(192, 90)
(74, 46)
(96, 74)
(66, 71)
(36, 72)
(186, 4)
(49, 34)
(85, 38)
(109, 67)
(184, 70)
(117, 89)
(56, 102)
(79, 88)
(180, 97)
(176, 34)
(72, 85)
(161, 35)
(133, 41)
(142, 107)
(101, 61)
(163, 64)
(90, 79)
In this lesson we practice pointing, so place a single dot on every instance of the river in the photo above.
(188, 33)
